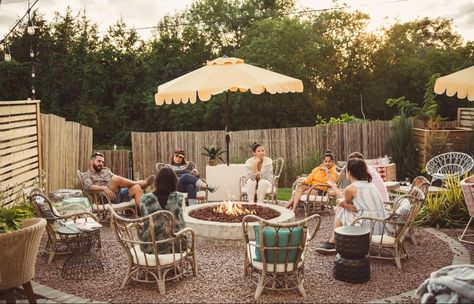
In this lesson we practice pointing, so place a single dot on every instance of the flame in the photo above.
(232, 209)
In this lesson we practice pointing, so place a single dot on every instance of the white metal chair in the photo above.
(272, 192)
(467, 186)
(449, 164)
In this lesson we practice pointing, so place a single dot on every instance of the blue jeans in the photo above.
(187, 183)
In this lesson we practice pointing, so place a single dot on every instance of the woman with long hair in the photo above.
(164, 197)
(188, 176)
(322, 174)
(360, 198)
(259, 174)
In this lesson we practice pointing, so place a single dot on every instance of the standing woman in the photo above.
(259, 174)
(187, 173)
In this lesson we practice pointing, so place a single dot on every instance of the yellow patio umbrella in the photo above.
(225, 74)
(461, 82)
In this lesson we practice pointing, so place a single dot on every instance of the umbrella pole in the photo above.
(227, 135)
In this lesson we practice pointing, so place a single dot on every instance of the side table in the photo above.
(82, 262)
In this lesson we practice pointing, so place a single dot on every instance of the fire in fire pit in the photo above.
(233, 212)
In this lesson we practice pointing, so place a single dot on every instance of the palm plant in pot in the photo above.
(214, 153)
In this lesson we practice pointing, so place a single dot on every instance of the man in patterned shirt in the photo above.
(117, 188)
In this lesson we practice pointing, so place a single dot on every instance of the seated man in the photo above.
(117, 188)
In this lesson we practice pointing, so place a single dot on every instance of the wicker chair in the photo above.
(100, 202)
(313, 200)
(272, 192)
(155, 267)
(55, 245)
(390, 244)
(274, 258)
(449, 164)
(467, 186)
(201, 195)
(18, 258)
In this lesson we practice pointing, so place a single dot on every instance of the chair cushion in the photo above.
(269, 235)
(143, 258)
(116, 207)
(313, 198)
(199, 194)
(244, 190)
(280, 267)
(49, 213)
(387, 240)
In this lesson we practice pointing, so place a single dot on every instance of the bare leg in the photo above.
(337, 223)
(298, 193)
(117, 182)
(136, 192)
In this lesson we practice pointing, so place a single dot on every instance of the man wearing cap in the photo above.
(117, 188)
(187, 173)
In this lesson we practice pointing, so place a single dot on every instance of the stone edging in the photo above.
(51, 295)
(461, 256)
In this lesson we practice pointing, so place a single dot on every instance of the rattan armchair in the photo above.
(272, 192)
(100, 202)
(390, 244)
(274, 254)
(313, 199)
(158, 260)
(55, 245)
(467, 186)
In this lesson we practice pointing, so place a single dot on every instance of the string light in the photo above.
(8, 55)
(33, 72)
(32, 53)
(31, 27)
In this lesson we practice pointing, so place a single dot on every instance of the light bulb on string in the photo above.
(33, 91)
(32, 53)
(33, 72)
(8, 56)
(31, 29)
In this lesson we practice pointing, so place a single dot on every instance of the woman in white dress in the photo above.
(259, 174)
(360, 198)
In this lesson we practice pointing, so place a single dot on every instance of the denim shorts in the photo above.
(121, 196)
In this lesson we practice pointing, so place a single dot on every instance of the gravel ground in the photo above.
(220, 275)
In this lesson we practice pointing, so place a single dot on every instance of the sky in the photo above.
(147, 13)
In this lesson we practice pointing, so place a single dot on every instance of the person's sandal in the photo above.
(326, 247)
(212, 189)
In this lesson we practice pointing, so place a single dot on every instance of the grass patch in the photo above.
(284, 194)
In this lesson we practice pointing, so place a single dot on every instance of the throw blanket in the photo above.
(452, 284)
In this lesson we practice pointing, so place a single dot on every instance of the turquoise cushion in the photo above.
(269, 235)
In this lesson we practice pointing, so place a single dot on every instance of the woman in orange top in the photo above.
(320, 175)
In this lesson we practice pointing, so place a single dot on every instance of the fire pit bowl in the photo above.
(227, 233)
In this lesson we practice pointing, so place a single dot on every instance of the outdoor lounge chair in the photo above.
(274, 254)
(154, 267)
(44, 209)
(100, 202)
(390, 244)
(272, 192)
(313, 200)
(449, 164)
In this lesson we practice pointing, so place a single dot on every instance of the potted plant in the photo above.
(214, 153)
(20, 237)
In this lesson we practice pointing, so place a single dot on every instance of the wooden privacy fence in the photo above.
(119, 162)
(67, 147)
(19, 148)
(296, 145)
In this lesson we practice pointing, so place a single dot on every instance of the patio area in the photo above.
(220, 274)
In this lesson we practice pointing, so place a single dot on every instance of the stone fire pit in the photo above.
(227, 233)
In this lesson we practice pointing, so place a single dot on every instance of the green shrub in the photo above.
(400, 147)
(12, 218)
(445, 208)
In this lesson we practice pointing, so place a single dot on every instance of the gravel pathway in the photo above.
(220, 275)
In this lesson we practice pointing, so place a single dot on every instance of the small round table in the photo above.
(82, 262)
